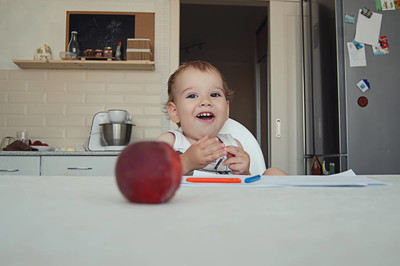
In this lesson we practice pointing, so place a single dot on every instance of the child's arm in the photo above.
(167, 137)
(238, 160)
(274, 171)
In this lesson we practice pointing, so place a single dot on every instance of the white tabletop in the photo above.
(86, 221)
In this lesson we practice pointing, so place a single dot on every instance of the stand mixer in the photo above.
(111, 131)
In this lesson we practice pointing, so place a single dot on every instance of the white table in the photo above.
(49, 220)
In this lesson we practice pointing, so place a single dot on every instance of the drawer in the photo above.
(78, 165)
(20, 165)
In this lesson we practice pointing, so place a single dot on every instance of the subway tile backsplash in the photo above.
(57, 106)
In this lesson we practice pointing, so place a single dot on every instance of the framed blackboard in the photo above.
(97, 30)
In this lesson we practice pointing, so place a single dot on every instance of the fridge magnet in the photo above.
(368, 29)
(387, 4)
(357, 45)
(349, 18)
(362, 101)
(356, 56)
(382, 48)
(366, 12)
(363, 85)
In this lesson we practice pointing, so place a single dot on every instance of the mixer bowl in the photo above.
(116, 134)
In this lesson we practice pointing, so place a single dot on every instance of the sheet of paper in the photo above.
(345, 179)
(356, 56)
(368, 29)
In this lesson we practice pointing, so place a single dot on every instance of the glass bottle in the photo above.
(331, 168)
(73, 45)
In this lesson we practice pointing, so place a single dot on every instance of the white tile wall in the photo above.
(57, 106)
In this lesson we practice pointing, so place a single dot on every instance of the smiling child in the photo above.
(199, 104)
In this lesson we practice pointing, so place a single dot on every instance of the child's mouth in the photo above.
(205, 116)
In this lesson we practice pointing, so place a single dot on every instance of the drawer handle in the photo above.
(79, 168)
(9, 170)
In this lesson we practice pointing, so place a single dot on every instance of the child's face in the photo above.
(200, 105)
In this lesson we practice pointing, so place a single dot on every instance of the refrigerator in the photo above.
(344, 124)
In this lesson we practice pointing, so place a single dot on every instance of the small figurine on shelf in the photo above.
(43, 53)
(118, 50)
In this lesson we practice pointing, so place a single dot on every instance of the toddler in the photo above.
(199, 104)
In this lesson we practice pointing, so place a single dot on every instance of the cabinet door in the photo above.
(20, 165)
(78, 165)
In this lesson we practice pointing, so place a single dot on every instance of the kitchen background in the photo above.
(28, 97)
(57, 106)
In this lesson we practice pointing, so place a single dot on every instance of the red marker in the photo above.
(213, 180)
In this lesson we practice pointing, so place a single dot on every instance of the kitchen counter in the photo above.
(68, 220)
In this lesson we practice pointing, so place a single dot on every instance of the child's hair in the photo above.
(202, 66)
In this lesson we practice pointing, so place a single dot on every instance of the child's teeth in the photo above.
(204, 114)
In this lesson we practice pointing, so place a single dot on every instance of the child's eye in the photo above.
(191, 96)
(215, 94)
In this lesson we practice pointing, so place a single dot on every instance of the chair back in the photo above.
(249, 143)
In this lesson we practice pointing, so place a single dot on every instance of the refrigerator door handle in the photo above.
(278, 128)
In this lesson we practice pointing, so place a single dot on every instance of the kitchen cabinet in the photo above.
(55, 163)
(78, 165)
(20, 165)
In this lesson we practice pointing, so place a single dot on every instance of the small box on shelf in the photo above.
(136, 43)
(138, 54)
(139, 49)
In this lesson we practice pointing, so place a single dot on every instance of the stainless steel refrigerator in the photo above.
(337, 129)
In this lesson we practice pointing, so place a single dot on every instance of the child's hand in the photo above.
(202, 153)
(238, 160)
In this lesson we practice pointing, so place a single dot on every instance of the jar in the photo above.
(98, 53)
(89, 52)
(108, 52)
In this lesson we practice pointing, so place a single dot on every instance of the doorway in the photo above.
(228, 37)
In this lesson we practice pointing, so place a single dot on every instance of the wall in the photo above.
(286, 85)
(228, 35)
(57, 106)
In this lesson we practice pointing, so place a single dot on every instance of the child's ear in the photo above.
(173, 114)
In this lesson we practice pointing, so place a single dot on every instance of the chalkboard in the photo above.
(97, 30)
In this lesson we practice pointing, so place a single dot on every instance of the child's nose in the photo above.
(205, 102)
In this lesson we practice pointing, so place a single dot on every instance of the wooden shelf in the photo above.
(86, 64)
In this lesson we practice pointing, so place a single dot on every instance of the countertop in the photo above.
(59, 153)
(58, 220)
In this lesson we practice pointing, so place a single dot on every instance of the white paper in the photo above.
(345, 179)
(356, 56)
(368, 29)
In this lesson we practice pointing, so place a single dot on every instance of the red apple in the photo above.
(37, 143)
(148, 172)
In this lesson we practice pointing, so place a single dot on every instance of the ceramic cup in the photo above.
(117, 116)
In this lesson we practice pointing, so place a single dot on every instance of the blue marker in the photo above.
(252, 179)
